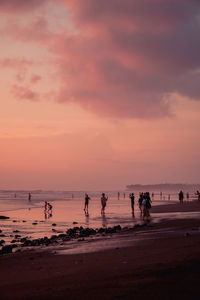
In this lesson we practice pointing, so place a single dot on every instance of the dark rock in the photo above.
(0, 230)
(118, 228)
(109, 230)
(27, 243)
(15, 231)
(23, 240)
(34, 223)
(17, 236)
(54, 224)
(13, 241)
(75, 222)
(2, 242)
(24, 221)
(2, 235)
(14, 221)
(60, 236)
(4, 217)
(101, 230)
(7, 249)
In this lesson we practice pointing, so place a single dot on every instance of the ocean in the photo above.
(28, 218)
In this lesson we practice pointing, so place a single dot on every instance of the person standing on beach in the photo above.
(103, 202)
(140, 202)
(198, 195)
(29, 196)
(132, 197)
(181, 196)
(87, 198)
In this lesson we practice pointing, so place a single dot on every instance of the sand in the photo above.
(161, 262)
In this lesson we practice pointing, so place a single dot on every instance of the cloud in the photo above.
(35, 78)
(15, 63)
(13, 6)
(24, 93)
(123, 58)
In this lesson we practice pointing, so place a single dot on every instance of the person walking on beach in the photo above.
(87, 198)
(181, 196)
(103, 202)
(132, 197)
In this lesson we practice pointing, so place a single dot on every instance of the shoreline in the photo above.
(86, 234)
(163, 264)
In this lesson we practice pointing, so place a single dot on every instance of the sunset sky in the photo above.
(98, 94)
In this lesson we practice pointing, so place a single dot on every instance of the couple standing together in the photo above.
(103, 203)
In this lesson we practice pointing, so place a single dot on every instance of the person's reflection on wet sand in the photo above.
(87, 220)
(47, 214)
(47, 210)
(104, 220)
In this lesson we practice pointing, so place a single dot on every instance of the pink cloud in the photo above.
(127, 56)
(24, 93)
(123, 57)
(14, 6)
(15, 63)
(35, 78)
(36, 30)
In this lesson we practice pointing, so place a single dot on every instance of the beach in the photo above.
(158, 261)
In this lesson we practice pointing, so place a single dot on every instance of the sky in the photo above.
(96, 95)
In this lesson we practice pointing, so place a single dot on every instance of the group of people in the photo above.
(181, 196)
(144, 203)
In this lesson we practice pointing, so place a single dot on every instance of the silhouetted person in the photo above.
(46, 205)
(198, 195)
(103, 202)
(29, 196)
(181, 196)
(87, 198)
(169, 197)
(140, 200)
(118, 195)
(147, 205)
(132, 197)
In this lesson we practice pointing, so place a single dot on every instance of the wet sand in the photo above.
(161, 262)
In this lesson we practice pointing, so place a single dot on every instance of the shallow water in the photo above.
(29, 219)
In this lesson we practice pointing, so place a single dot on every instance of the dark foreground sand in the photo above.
(166, 266)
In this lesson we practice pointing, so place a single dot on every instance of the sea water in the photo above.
(28, 218)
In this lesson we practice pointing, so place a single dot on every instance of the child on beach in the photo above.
(103, 202)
